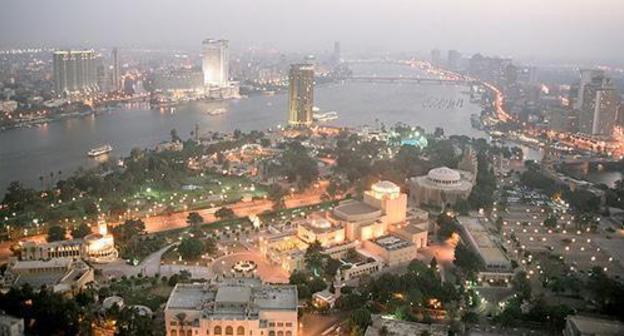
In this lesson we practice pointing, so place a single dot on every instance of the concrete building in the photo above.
(598, 103)
(11, 326)
(215, 62)
(454, 60)
(392, 249)
(62, 275)
(98, 247)
(116, 76)
(300, 95)
(234, 307)
(75, 71)
(479, 240)
(441, 186)
(578, 325)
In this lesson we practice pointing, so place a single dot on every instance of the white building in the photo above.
(61, 275)
(578, 325)
(234, 307)
(215, 62)
(441, 186)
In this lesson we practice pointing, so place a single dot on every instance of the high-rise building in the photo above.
(301, 95)
(454, 59)
(215, 64)
(116, 76)
(337, 56)
(75, 70)
(436, 57)
(599, 104)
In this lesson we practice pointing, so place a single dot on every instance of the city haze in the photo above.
(532, 28)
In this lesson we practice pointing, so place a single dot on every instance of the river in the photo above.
(28, 153)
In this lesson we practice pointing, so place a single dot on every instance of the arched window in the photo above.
(280, 333)
(207, 331)
(217, 330)
(229, 330)
(240, 330)
(174, 332)
(289, 333)
(271, 333)
(189, 333)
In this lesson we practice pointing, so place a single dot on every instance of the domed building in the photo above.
(441, 186)
(99, 247)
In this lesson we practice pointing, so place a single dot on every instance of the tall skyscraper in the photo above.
(599, 103)
(435, 57)
(454, 59)
(215, 64)
(337, 56)
(75, 70)
(116, 76)
(300, 95)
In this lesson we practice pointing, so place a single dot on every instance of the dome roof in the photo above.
(320, 223)
(444, 174)
(386, 187)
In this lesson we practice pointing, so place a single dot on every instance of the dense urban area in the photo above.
(311, 226)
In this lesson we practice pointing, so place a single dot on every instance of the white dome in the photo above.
(444, 175)
(386, 187)
(320, 223)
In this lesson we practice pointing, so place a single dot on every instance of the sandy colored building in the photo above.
(235, 307)
(441, 186)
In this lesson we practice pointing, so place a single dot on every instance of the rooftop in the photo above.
(588, 325)
(355, 208)
(392, 242)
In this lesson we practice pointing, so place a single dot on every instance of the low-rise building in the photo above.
(578, 325)
(441, 186)
(237, 307)
(392, 249)
(493, 257)
(62, 275)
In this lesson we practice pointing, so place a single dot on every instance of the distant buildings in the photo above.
(441, 186)
(240, 306)
(300, 95)
(75, 71)
(597, 103)
(436, 57)
(215, 62)
(454, 60)
(116, 78)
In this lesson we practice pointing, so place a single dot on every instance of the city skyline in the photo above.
(519, 28)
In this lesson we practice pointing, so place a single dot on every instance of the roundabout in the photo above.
(244, 266)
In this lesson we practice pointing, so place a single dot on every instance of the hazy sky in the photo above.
(543, 28)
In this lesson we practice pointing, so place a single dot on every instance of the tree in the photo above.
(446, 225)
(191, 248)
(224, 213)
(81, 230)
(210, 246)
(56, 233)
(129, 229)
(467, 260)
(499, 223)
(550, 221)
(521, 285)
(361, 317)
(276, 194)
(194, 219)
(314, 258)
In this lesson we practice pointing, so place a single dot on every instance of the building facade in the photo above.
(441, 186)
(215, 63)
(234, 307)
(300, 95)
(75, 70)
